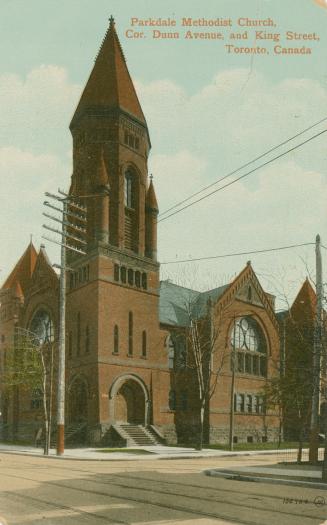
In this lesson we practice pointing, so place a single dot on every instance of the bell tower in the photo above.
(113, 291)
(111, 145)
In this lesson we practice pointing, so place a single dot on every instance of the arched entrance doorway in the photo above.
(129, 401)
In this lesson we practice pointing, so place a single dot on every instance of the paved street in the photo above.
(36, 490)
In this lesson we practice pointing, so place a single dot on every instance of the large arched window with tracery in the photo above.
(250, 349)
(41, 327)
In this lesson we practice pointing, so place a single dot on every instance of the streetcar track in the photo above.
(151, 480)
(170, 506)
(66, 507)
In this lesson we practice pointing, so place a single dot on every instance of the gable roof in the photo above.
(23, 270)
(26, 271)
(176, 302)
(304, 304)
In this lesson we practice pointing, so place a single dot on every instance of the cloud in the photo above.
(286, 206)
(234, 118)
(25, 177)
(35, 111)
(196, 138)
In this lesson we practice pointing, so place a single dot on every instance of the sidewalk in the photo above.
(152, 452)
(287, 474)
(280, 474)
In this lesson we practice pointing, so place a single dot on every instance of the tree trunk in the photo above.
(200, 444)
(299, 452)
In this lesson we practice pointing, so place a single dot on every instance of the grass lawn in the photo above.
(124, 450)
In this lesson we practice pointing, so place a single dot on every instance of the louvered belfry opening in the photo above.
(131, 197)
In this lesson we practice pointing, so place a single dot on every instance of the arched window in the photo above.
(78, 338)
(171, 352)
(184, 400)
(130, 274)
(144, 281)
(130, 333)
(144, 349)
(249, 403)
(172, 400)
(137, 279)
(249, 345)
(36, 398)
(180, 352)
(131, 233)
(87, 340)
(123, 274)
(116, 272)
(70, 345)
(116, 339)
(41, 327)
(129, 190)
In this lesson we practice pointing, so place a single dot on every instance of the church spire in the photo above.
(109, 86)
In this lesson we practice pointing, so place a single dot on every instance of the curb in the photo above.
(227, 474)
(135, 457)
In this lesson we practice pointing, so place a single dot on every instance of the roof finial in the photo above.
(111, 21)
(151, 177)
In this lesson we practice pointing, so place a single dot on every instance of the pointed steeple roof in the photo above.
(102, 178)
(304, 305)
(23, 270)
(18, 291)
(151, 200)
(43, 268)
(110, 85)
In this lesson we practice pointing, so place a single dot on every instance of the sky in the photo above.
(209, 111)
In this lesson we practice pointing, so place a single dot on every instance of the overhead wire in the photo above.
(239, 253)
(244, 175)
(243, 166)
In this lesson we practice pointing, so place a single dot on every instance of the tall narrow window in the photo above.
(116, 339)
(172, 400)
(137, 279)
(70, 345)
(184, 400)
(87, 340)
(131, 232)
(123, 274)
(129, 190)
(78, 338)
(144, 349)
(130, 275)
(130, 333)
(171, 352)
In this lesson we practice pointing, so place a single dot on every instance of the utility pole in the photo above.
(317, 351)
(232, 392)
(73, 220)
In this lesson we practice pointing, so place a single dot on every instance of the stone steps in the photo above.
(137, 435)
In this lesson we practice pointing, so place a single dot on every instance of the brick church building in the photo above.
(129, 365)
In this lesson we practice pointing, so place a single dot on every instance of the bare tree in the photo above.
(30, 367)
(205, 358)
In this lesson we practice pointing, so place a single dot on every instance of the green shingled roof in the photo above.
(176, 302)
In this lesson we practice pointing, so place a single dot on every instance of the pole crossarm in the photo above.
(79, 217)
(66, 235)
(70, 212)
(66, 223)
(67, 246)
